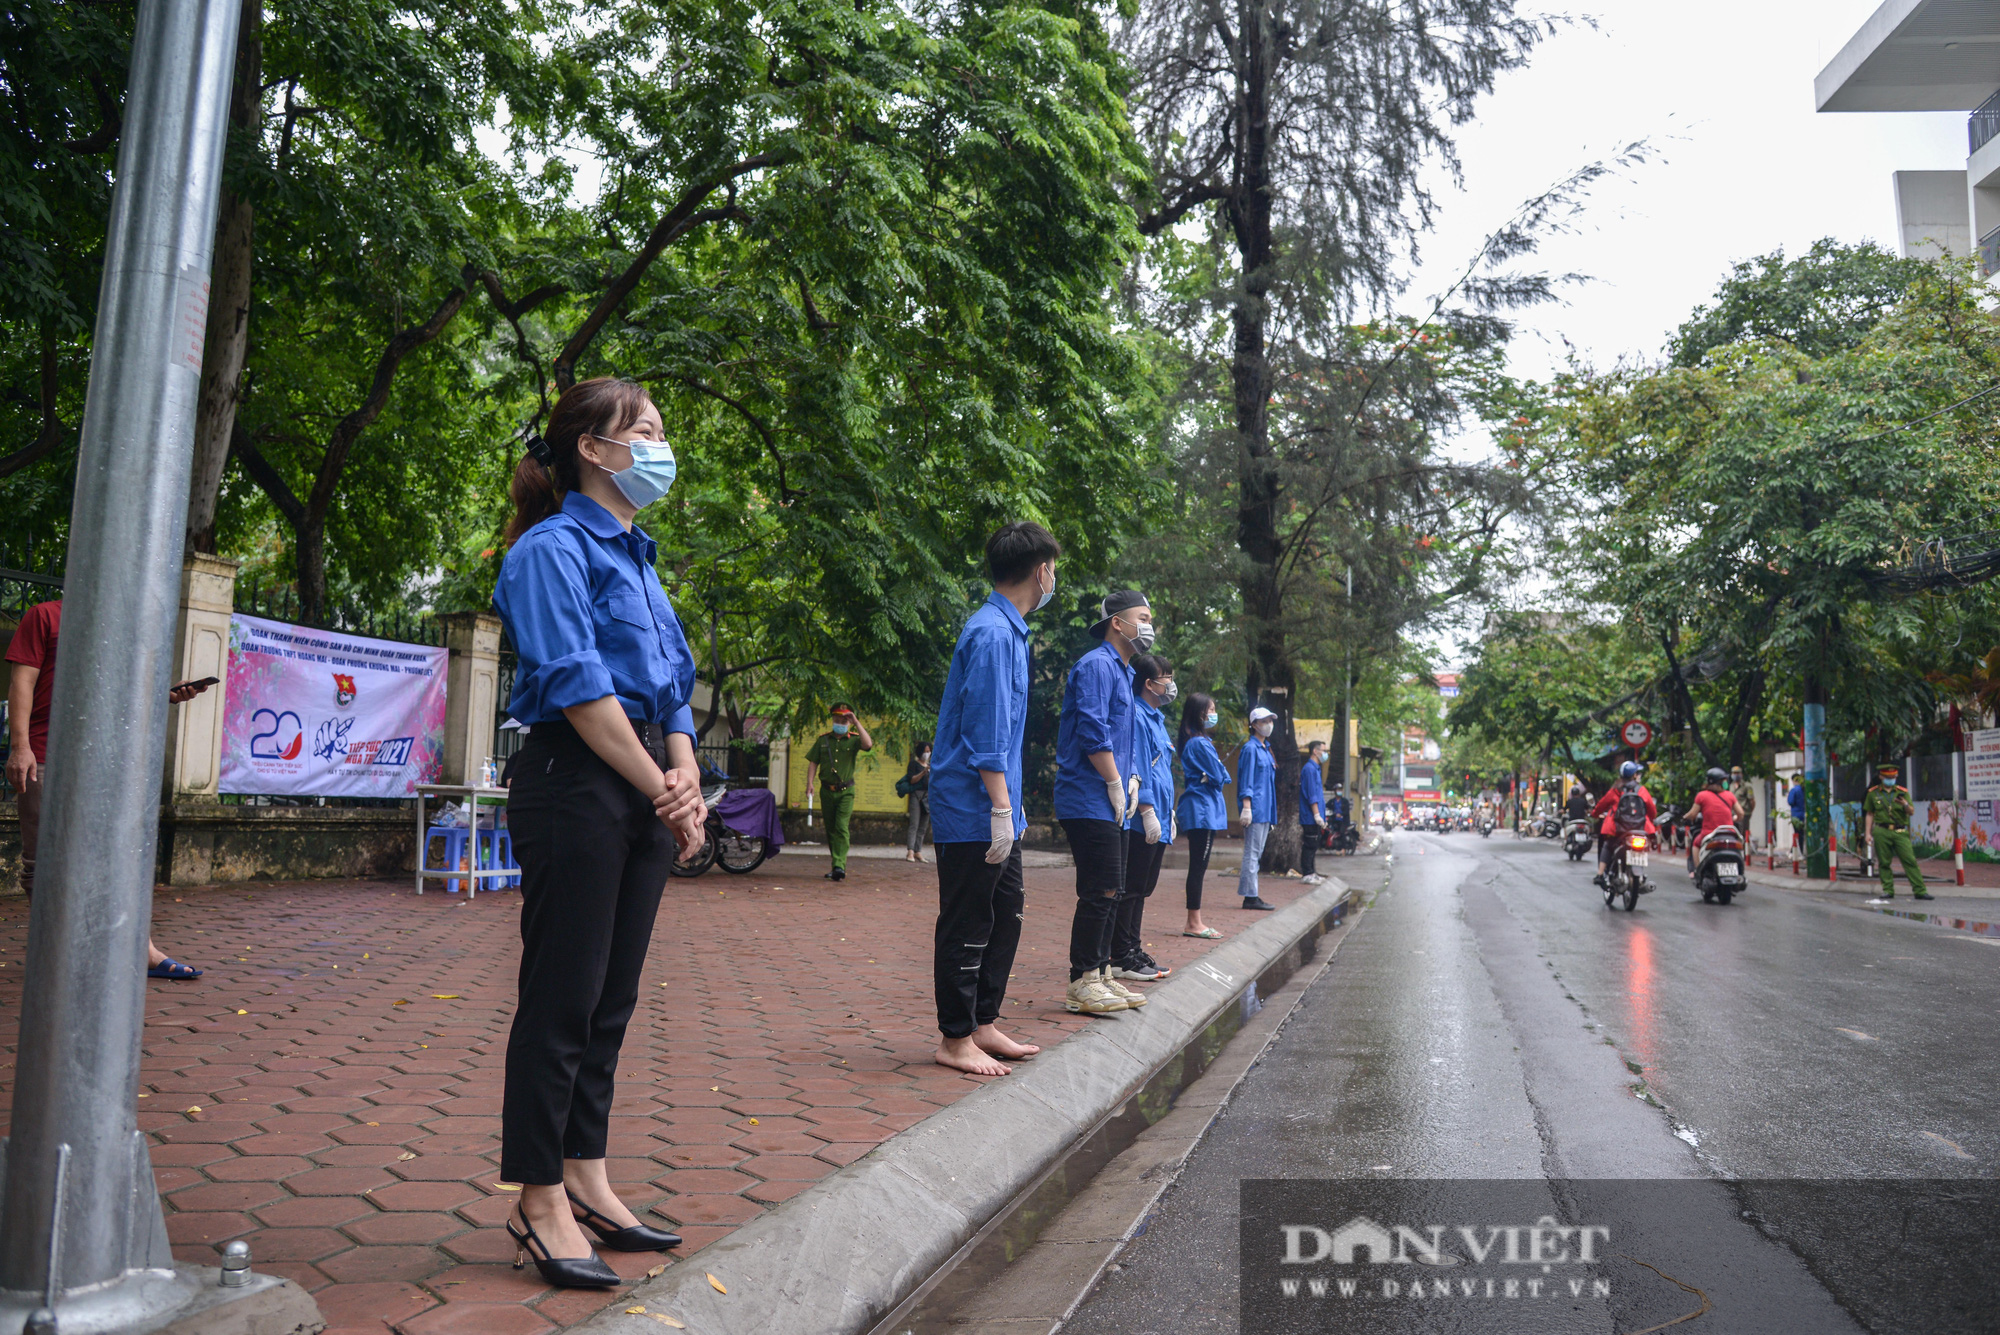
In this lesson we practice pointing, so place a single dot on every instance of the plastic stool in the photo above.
(507, 857)
(454, 851)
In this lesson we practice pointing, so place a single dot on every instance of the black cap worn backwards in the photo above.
(1122, 601)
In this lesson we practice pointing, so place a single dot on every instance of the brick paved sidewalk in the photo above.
(330, 1091)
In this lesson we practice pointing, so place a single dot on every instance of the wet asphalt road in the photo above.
(1489, 1018)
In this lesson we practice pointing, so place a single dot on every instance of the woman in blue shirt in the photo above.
(1147, 840)
(1202, 812)
(604, 788)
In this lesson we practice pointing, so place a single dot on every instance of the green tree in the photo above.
(1824, 301)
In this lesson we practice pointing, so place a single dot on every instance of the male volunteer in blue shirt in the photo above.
(1097, 789)
(1257, 791)
(1312, 811)
(975, 797)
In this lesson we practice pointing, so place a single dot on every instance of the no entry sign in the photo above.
(1636, 732)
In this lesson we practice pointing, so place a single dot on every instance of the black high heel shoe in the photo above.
(565, 1272)
(637, 1238)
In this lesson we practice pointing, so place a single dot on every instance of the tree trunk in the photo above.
(228, 334)
(1272, 681)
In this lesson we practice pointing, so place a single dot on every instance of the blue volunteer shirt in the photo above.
(1153, 754)
(1096, 716)
(1257, 780)
(1201, 806)
(586, 614)
(1312, 791)
(980, 724)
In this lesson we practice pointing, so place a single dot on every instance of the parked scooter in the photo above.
(1718, 870)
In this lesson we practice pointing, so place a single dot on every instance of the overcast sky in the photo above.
(1725, 89)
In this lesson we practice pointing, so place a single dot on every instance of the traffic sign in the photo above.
(1637, 733)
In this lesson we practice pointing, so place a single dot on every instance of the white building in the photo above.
(1932, 55)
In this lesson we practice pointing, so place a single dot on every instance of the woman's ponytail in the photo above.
(604, 406)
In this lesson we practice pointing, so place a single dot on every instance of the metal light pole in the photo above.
(82, 1230)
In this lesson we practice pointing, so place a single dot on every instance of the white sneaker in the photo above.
(1089, 995)
(1314, 879)
(1133, 1000)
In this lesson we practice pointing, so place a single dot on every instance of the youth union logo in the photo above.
(343, 689)
(1552, 1256)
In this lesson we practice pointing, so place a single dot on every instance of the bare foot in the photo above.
(962, 1054)
(990, 1039)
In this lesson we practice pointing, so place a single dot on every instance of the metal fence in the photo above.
(1983, 124)
(280, 602)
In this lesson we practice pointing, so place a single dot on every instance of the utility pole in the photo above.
(83, 1245)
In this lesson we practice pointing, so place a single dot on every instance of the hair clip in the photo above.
(539, 450)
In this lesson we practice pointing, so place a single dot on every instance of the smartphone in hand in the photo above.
(201, 685)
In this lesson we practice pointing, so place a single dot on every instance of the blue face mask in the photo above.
(651, 475)
(840, 730)
(1211, 721)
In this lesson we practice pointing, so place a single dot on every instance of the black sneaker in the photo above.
(1153, 964)
(1257, 902)
(1136, 969)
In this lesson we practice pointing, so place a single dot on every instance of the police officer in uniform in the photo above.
(1886, 813)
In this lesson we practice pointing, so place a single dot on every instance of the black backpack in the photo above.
(1631, 811)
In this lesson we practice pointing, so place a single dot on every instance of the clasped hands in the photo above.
(680, 807)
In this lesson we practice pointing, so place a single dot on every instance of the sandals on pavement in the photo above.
(171, 968)
(1205, 934)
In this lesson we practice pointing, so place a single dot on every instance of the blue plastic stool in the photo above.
(454, 851)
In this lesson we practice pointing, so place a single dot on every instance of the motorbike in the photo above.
(1625, 869)
(1577, 840)
(1718, 871)
(1342, 837)
(737, 854)
(1485, 827)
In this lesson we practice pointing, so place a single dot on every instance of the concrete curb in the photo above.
(840, 1256)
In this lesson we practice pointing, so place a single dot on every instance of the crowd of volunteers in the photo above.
(606, 794)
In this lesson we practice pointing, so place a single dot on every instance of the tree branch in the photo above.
(785, 493)
(682, 217)
(53, 430)
(107, 131)
(265, 476)
(512, 311)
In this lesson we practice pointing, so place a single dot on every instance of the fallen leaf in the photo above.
(435, 996)
(195, 1109)
(364, 954)
(656, 1272)
(405, 1157)
(404, 1002)
(374, 1124)
(715, 1089)
(715, 1283)
(506, 1186)
(635, 1311)
(753, 1121)
(667, 1321)
(243, 1012)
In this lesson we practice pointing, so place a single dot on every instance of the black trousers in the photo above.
(1200, 844)
(980, 906)
(594, 859)
(1142, 873)
(1309, 837)
(1098, 848)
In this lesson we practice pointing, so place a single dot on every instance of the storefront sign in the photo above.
(1982, 766)
(322, 713)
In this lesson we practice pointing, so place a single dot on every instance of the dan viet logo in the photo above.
(1365, 1260)
(343, 689)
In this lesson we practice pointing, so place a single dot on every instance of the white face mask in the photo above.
(1171, 691)
(1263, 727)
(1043, 601)
(1141, 635)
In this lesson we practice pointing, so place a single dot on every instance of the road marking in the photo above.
(1860, 1037)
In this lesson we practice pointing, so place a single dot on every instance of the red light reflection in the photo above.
(1639, 991)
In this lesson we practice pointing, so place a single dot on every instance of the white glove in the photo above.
(1150, 821)
(1173, 827)
(1132, 792)
(1114, 793)
(1003, 835)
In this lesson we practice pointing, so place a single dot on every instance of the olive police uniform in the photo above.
(837, 758)
(1889, 807)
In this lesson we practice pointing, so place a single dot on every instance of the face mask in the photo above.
(1264, 727)
(1142, 636)
(651, 474)
(1210, 721)
(1043, 601)
(1170, 691)
(840, 730)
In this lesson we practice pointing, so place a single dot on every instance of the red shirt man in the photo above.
(1607, 807)
(1717, 809)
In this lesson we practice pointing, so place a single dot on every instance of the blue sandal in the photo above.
(170, 968)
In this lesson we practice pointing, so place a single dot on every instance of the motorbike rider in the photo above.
(1607, 807)
(1714, 807)
(1339, 811)
(1577, 806)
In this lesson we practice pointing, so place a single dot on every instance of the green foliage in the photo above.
(1824, 301)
